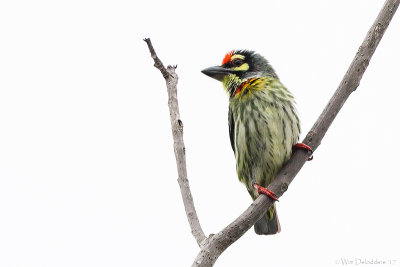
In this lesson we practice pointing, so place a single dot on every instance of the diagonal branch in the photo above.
(222, 240)
(215, 245)
(179, 147)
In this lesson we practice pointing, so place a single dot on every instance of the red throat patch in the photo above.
(245, 84)
(227, 57)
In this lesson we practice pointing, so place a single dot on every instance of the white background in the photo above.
(87, 170)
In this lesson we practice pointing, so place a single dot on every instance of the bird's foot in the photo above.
(305, 147)
(265, 191)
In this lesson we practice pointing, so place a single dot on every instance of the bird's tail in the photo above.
(269, 223)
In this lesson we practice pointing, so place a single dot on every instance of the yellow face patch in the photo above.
(237, 56)
(242, 67)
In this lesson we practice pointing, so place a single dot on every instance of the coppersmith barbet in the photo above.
(263, 124)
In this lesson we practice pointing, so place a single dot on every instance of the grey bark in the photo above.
(171, 78)
(212, 247)
(222, 240)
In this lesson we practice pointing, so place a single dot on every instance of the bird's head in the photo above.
(238, 66)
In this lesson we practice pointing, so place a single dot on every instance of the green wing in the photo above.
(231, 124)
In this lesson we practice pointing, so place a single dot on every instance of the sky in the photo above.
(87, 169)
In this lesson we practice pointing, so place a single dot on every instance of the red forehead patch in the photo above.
(227, 57)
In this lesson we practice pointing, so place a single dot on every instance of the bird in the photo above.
(263, 123)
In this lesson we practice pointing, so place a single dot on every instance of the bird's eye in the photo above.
(237, 62)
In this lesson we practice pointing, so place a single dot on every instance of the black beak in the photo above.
(216, 72)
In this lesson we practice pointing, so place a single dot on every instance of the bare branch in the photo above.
(217, 244)
(213, 247)
(171, 78)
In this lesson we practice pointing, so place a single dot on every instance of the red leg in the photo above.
(306, 147)
(265, 191)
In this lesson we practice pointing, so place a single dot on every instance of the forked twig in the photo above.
(179, 147)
